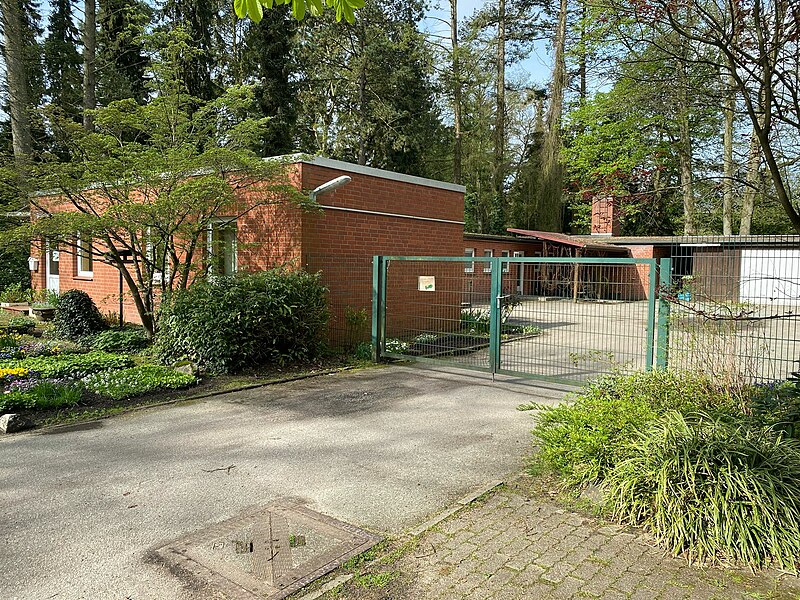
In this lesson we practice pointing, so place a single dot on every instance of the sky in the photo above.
(536, 67)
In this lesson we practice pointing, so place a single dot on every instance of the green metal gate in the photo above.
(553, 318)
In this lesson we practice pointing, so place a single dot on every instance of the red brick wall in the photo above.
(477, 285)
(341, 244)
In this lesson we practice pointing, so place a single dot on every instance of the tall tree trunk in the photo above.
(727, 152)
(499, 172)
(362, 104)
(456, 91)
(752, 180)
(685, 148)
(89, 62)
(549, 200)
(17, 77)
(582, 56)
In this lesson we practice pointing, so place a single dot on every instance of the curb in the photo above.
(55, 428)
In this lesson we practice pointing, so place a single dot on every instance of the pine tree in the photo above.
(121, 60)
(62, 61)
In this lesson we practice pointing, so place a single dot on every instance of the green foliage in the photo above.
(15, 293)
(475, 320)
(20, 325)
(584, 439)
(135, 381)
(225, 324)
(254, 9)
(121, 340)
(77, 316)
(69, 365)
(714, 488)
(42, 396)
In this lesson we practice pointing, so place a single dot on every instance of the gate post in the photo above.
(662, 344)
(495, 324)
(652, 292)
(378, 304)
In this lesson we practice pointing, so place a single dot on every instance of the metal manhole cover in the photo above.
(267, 553)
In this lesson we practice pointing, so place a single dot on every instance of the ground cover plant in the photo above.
(713, 472)
(135, 381)
(70, 365)
(129, 339)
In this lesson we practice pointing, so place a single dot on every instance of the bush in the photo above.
(121, 340)
(15, 293)
(69, 365)
(583, 440)
(42, 395)
(714, 488)
(77, 316)
(225, 324)
(135, 381)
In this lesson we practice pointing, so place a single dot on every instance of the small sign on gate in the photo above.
(427, 283)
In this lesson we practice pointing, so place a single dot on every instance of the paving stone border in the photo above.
(515, 546)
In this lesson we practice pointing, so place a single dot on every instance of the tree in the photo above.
(151, 178)
(350, 105)
(755, 42)
(89, 61)
(62, 64)
(121, 60)
(18, 77)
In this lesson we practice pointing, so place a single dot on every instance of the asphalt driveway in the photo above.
(379, 448)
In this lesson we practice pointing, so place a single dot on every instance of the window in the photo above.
(505, 254)
(469, 267)
(487, 266)
(222, 247)
(84, 255)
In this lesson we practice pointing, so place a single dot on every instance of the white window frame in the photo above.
(506, 265)
(83, 253)
(487, 266)
(216, 222)
(469, 267)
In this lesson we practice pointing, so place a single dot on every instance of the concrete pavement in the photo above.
(379, 448)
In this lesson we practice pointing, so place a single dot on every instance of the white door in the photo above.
(770, 276)
(51, 267)
(520, 271)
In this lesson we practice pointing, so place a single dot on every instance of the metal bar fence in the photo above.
(734, 307)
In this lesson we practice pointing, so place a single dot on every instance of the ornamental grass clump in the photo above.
(713, 487)
(584, 438)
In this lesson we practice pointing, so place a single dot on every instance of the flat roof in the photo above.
(699, 240)
(348, 167)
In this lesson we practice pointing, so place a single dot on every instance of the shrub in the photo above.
(121, 340)
(135, 381)
(224, 324)
(583, 440)
(77, 316)
(41, 395)
(69, 365)
(713, 487)
(15, 293)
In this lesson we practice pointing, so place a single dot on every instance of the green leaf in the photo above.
(316, 7)
(240, 8)
(299, 9)
(255, 10)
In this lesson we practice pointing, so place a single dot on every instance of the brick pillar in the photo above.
(605, 215)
